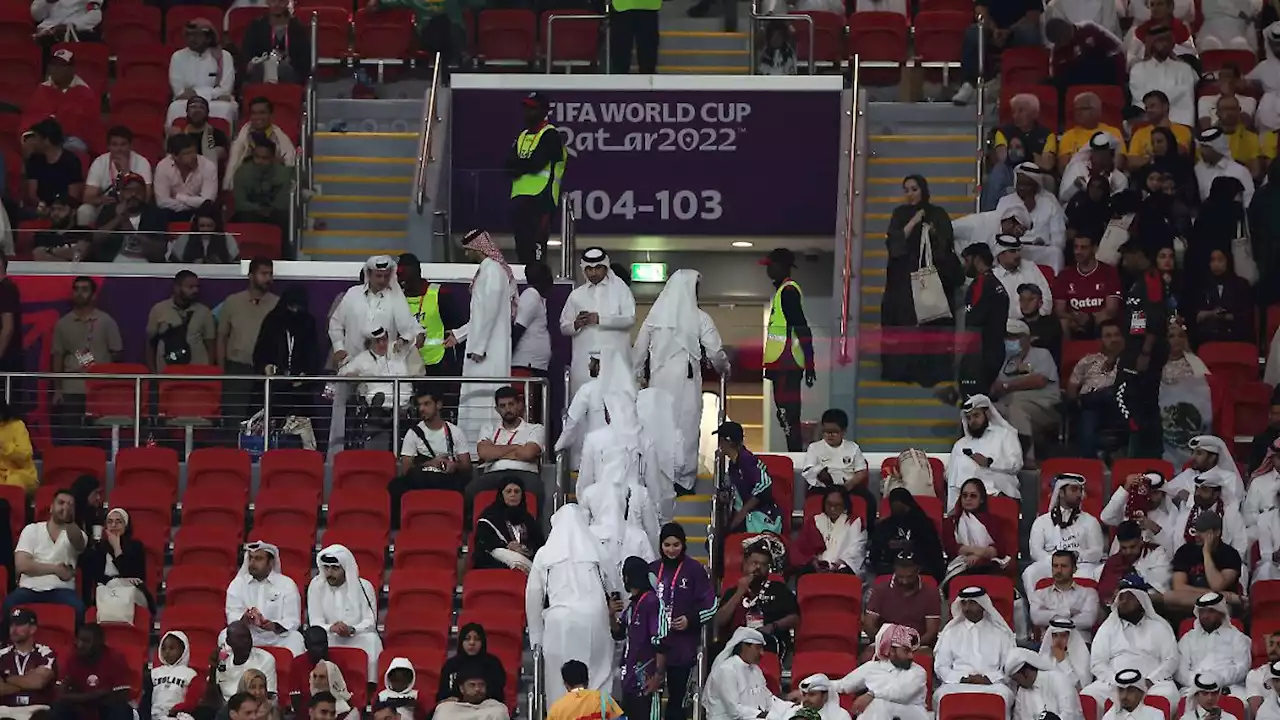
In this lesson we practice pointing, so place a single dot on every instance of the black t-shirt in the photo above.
(56, 178)
(1190, 560)
(1005, 13)
(1146, 312)
(11, 302)
(772, 604)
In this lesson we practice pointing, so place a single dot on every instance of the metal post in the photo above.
(8, 389)
(137, 412)
(567, 221)
(266, 414)
(395, 411)
(980, 154)
(562, 463)
(846, 287)
(424, 148)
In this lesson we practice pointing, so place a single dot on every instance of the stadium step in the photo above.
(703, 52)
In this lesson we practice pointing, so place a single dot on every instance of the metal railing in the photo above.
(604, 25)
(852, 239)
(980, 159)
(537, 696)
(429, 121)
(562, 458)
(756, 16)
(568, 237)
(303, 175)
(713, 539)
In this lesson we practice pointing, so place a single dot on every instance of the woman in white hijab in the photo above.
(673, 340)
(1064, 646)
(326, 677)
(566, 604)
(736, 688)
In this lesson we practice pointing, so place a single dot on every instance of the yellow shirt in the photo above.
(1050, 143)
(581, 704)
(17, 466)
(1269, 145)
(1244, 145)
(1078, 137)
(1140, 144)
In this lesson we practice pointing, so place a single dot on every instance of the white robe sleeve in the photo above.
(1037, 541)
(649, 521)
(1041, 613)
(1065, 697)
(640, 349)
(1235, 532)
(177, 76)
(227, 81)
(487, 301)
(854, 682)
(1092, 543)
(237, 603)
(1057, 228)
(1113, 513)
(903, 690)
(1100, 655)
(574, 417)
(316, 614)
(855, 553)
(535, 594)
(338, 325)
(1008, 460)
(811, 467)
(567, 315)
(946, 666)
(587, 469)
(290, 606)
(1168, 649)
(623, 319)
(712, 345)
(1184, 673)
(1236, 666)
(1087, 617)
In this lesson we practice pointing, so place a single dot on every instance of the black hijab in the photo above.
(1087, 216)
(675, 530)
(636, 575)
(1218, 223)
(501, 515)
(281, 324)
(482, 664)
(913, 527)
(87, 516)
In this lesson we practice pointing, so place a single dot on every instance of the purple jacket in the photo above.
(685, 591)
(643, 621)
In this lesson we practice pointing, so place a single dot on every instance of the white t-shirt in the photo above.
(36, 542)
(102, 175)
(438, 440)
(525, 432)
(229, 673)
(534, 348)
(1207, 106)
(841, 462)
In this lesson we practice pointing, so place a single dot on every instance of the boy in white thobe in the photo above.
(1203, 698)
(345, 604)
(1130, 690)
(1065, 527)
(895, 684)
(487, 332)
(1134, 636)
(1039, 688)
(1270, 707)
(1066, 651)
(1214, 645)
(972, 648)
(265, 599)
(598, 315)
(736, 688)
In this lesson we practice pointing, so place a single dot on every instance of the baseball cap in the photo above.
(1208, 520)
(22, 616)
(535, 99)
(132, 178)
(64, 55)
(779, 256)
(730, 431)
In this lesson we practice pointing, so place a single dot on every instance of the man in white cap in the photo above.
(1168, 74)
(1046, 236)
(1129, 694)
(892, 684)
(1066, 526)
(265, 599)
(989, 451)
(1204, 697)
(816, 693)
(1268, 704)
(1213, 645)
(1039, 688)
(972, 648)
(1013, 271)
(487, 332)
(1208, 452)
(1064, 597)
(345, 604)
(375, 303)
(566, 605)
(1026, 390)
(736, 688)
(1153, 510)
(1265, 77)
(598, 315)
(1066, 652)
(1216, 162)
(1097, 159)
(674, 338)
(1134, 636)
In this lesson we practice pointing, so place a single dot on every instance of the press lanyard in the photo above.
(668, 607)
(509, 440)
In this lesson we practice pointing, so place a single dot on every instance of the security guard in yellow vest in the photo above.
(634, 22)
(788, 347)
(536, 165)
(437, 320)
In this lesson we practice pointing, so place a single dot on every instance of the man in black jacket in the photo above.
(986, 304)
(281, 33)
(129, 229)
(1145, 317)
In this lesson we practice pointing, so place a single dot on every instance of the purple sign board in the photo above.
(662, 162)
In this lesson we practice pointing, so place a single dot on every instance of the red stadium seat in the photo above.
(830, 593)
(1094, 473)
(93, 62)
(147, 507)
(369, 546)
(16, 497)
(1112, 98)
(414, 626)
(1073, 351)
(832, 664)
(1005, 512)
(227, 470)
(384, 34)
(925, 660)
(154, 469)
(257, 239)
(999, 587)
(964, 6)
(573, 42)
(22, 62)
(344, 5)
(1025, 65)
(935, 465)
(197, 585)
(438, 510)
(828, 37)
(190, 402)
(333, 27)
(285, 509)
(303, 469)
(155, 541)
(57, 625)
(1236, 362)
(130, 637)
(879, 37)
(212, 545)
(429, 592)
(209, 507)
(1253, 407)
(494, 590)
(286, 99)
(939, 35)
(354, 664)
(1213, 60)
(509, 37)
(140, 99)
(426, 661)
(421, 549)
(782, 472)
(59, 469)
(971, 706)
(129, 27)
(360, 509)
(368, 470)
(1264, 598)
(1273, 324)
(772, 672)
(177, 17)
(237, 20)
(201, 623)
(829, 633)
(16, 25)
(143, 64)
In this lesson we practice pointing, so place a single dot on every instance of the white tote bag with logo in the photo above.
(1242, 255)
(927, 293)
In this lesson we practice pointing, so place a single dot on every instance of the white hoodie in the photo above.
(405, 711)
(169, 682)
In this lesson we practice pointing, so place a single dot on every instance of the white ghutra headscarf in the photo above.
(676, 309)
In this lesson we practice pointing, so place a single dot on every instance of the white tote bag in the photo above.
(929, 296)
(116, 601)
(1242, 255)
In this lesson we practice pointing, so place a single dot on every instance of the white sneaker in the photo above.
(965, 94)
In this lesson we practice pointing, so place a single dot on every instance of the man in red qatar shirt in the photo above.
(67, 98)
(27, 669)
(95, 684)
(1086, 293)
(1084, 54)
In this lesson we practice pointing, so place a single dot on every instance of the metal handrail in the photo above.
(562, 458)
(537, 698)
(608, 43)
(846, 272)
(712, 538)
(304, 168)
(980, 155)
(429, 121)
(791, 17)
(568, 237)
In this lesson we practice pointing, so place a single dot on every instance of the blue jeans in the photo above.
(1022, 35)
(1097, 413)
(61, 596)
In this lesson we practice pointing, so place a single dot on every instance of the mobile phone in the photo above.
(968, 451)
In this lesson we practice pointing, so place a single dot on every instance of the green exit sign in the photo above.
(649, 272)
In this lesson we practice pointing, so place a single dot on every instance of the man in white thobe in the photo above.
(1265, 76)
(673, 340)
(1131, 689)
(1039, 688)
(1204, 696)
(1013, 271)
(585, 413)
(598, 315)
(1264, 487)
(487, 332)
(817, 693)
(566, 604)
(265, 599)
(984, 227)
(658, 421)
(1214, 645)
(380, 359)
(1216, 162)
(1066, 651)
(1163, 72)
(1210, 496)
(1064, 597)
(1134, 636)
(1046, 237)
(971, 649)
(989, 451)
(1156, 521)
(1227, 25)
(1065, 527)
(377, 302)
(202, 68)
(1269, 709)
(345, 604)
(1208, 452)
(895, 685)
(736, 688)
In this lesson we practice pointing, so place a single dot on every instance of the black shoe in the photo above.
(700, 9)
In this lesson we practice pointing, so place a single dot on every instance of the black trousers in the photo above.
(638, 707)
(241, 398)
(638, 28)
(677, 688)
(786, 403)
(104, 711)
(1138, 398)
(531, 223)
(979, 370)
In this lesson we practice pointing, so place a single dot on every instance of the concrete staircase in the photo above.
(366, 152)
(700, 46)
(937, 141)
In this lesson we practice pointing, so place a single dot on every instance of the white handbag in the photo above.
(927, 293)
(116, 600)
(1242, 255)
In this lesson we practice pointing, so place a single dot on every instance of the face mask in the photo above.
(1012, 347)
